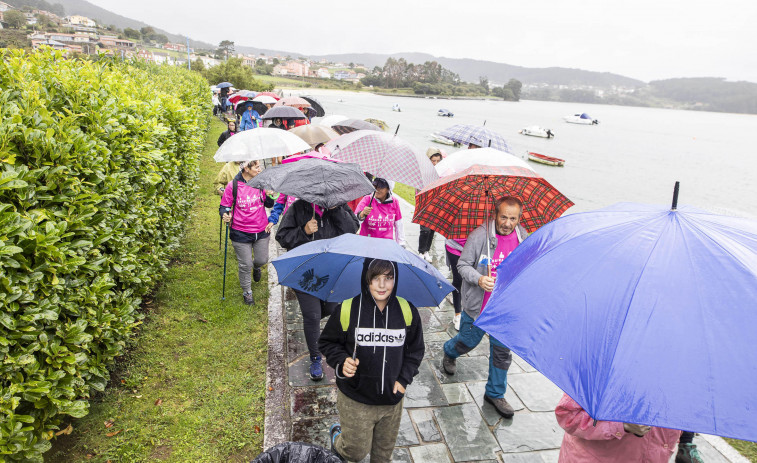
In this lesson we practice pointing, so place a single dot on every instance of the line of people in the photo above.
(372, 377)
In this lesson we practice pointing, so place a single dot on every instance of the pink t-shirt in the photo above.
(249, 214)
(380, 222)
(461, 242)
(286, 201)
(505, 245)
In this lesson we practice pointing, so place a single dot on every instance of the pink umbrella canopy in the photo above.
(309, 155)
(295, 101)
(384, 155)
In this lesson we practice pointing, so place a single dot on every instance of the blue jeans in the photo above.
(500, 356)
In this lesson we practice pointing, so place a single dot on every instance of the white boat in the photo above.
(436, 138)
(396, 107)
(581, 118)
(536, 131)
(445, 113)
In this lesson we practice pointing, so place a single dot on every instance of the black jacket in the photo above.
(334, 222)
(380, 365)
(224, 136)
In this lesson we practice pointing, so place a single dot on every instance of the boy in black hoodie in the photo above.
(372, 375)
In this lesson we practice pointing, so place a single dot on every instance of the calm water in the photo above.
(634, 154)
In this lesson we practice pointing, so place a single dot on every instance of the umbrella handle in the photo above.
(372, 196)
(675, 197)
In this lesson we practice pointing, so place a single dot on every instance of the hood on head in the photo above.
(364, 291)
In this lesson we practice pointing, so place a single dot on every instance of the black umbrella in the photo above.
(325, 183)
(350, 125)
(256, 105)
(284, 112)
(319, 111)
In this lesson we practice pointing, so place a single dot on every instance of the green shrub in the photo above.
(98, 171)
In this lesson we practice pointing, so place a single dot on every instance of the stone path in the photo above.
(445, 418)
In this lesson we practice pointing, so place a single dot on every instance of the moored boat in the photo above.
(536, 131)
(436, 138)
(396, 107)
(543, 159)
(582, 118)
(445, 113)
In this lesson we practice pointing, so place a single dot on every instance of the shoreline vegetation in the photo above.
(192, 384)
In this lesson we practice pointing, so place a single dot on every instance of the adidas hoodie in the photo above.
(388, 349)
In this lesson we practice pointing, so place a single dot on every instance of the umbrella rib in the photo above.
(302, 263)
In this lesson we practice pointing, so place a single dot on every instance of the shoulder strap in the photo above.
(406, 312)
(344, 316)
(234, 203)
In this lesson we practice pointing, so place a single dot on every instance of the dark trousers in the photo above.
(425, 240)
(313, 310)
(457, 281)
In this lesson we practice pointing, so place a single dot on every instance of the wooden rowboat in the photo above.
(548, 160)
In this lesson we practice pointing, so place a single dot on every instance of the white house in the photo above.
(76, 20)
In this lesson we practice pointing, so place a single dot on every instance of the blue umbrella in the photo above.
(224, 85)
(642, 314)
(330, 269)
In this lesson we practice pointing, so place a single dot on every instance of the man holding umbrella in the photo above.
(486, 248)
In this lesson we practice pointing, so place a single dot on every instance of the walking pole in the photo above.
(220, 231)
(225, 252)
(488, 251)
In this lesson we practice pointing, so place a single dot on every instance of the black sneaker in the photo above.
(249, 299)
(256, 274)
(449, 365)
(334, 431)
(316, 368)
(688, 453)
(501, 405)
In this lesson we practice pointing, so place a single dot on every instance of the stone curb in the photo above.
(277, 415)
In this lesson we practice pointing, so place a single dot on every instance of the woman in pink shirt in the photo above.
(243, 208)
(380, 214)
(610, 441)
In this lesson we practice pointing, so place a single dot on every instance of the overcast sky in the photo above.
(644, 39)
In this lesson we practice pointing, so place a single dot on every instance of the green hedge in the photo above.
(98, 172)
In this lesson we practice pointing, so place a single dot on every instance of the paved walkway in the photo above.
(445, 417)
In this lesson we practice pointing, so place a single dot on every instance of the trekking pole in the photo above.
(220, 231)
(225, 253)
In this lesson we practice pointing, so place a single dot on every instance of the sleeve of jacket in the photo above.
(221, 138)
(575, 421)
(353, 224)
(468, 262)
(290, 233)
(413, 351)
(278, 208)
(333, 340)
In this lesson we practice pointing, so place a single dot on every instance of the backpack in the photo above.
(344, 316)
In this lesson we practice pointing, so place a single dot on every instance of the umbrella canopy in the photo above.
(224, 85)
(236, 98)
(324, 183)
(309, 155)
(351, 125)
(378, 122)
(295, 101)
(317, 107)
(330, 269)
(648, 318)
(463, 159)
(265, 99)
(260, 143)
(328, 121)
(271, 94)
(384, 155)
(247, 93)
(456, 204)
(475, 135)
(314, 134)
(284, 112)
(256, 105)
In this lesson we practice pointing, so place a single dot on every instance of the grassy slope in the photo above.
(203, 358)
(405, 192)
(748, 449)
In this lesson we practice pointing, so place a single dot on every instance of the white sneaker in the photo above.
(427, 256)
(456, 320)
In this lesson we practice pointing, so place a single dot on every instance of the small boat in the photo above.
(548, 160)
(536, 131)
(445, 113)
(582, 118)
(397, 108)
(340, 100)
(436, 138)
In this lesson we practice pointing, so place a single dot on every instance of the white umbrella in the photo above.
(265, 99)
(328, 121)
(461, 160)
(260, 143)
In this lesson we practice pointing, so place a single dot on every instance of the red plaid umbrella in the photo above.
(456, 204)
(384, 155)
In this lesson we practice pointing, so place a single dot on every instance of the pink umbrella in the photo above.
(295, 101)
(309, 155)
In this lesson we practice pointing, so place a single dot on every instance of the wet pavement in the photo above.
(445, 417)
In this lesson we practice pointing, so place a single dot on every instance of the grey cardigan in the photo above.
(471, 268)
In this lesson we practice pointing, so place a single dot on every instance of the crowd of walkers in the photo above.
(372, 377)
